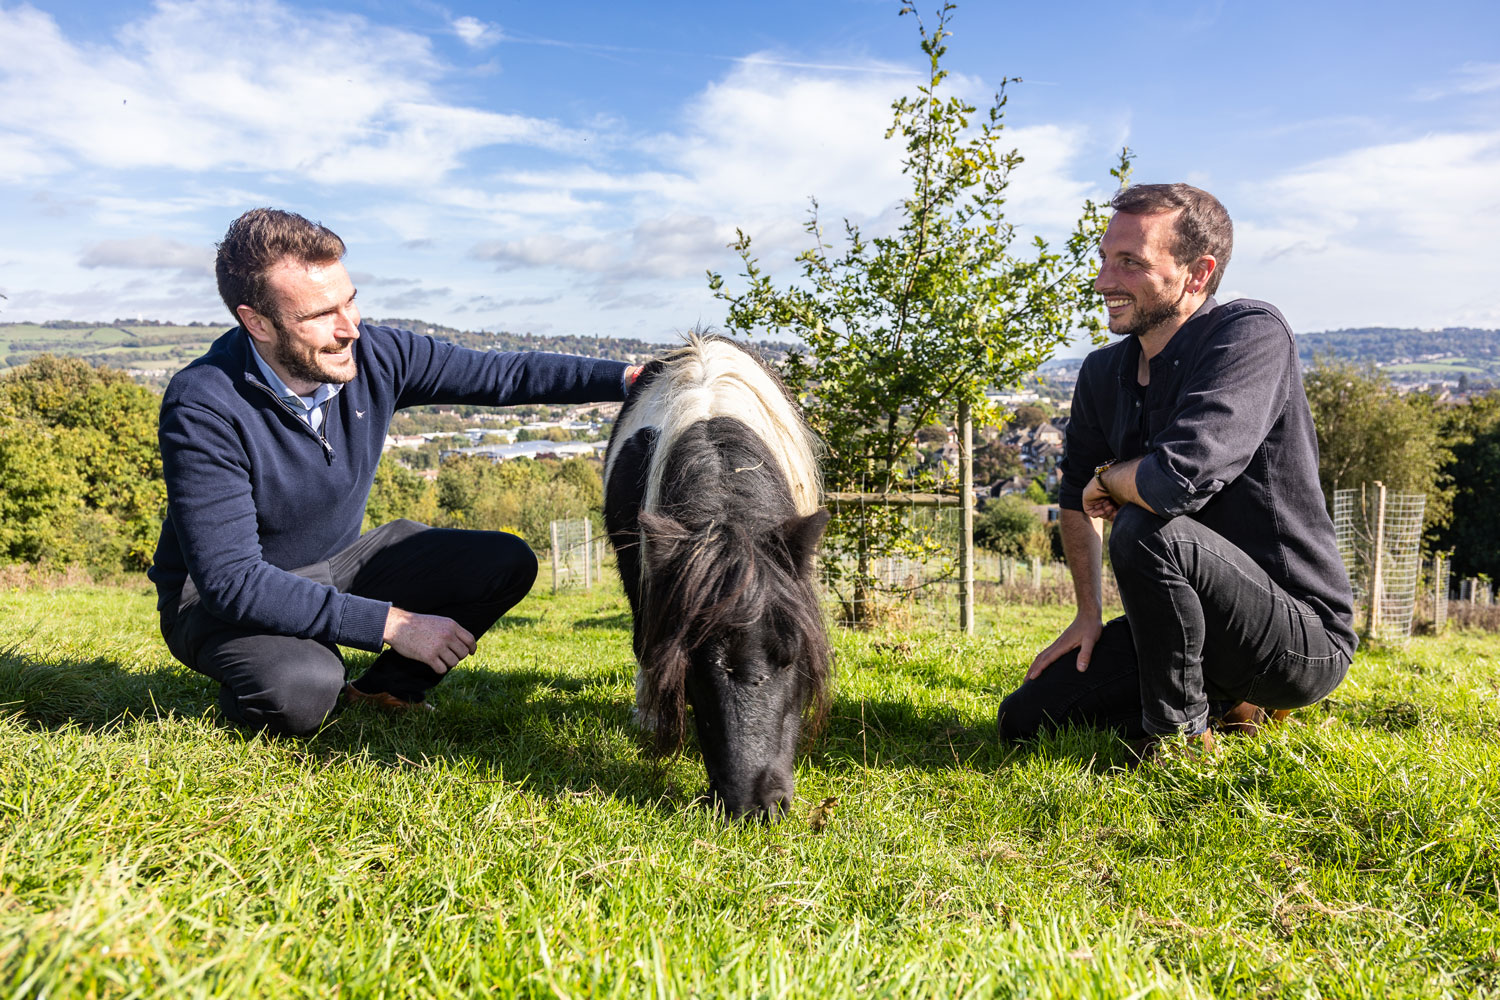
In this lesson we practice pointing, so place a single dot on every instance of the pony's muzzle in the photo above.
(769, 798)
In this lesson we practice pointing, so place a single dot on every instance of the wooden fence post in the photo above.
(555, 566)
(1377, 558)
(966, 519)
(1439, 592)
(588, 553)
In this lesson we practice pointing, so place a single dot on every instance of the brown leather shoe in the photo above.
(1246, 719)
(1152, 747)
(384, 700)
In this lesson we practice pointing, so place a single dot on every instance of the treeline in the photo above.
(1375, 345)
(81, 481)
(1369, 432)
(522, 496)
(1381, 345)
(73, 324)
(80, 473)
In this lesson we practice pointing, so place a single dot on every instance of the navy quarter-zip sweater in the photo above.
(254, 492)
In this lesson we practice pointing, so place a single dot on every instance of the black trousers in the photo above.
(1204, 629)
(288, 685)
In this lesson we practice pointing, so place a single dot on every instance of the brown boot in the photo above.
(1246, 719)
(1152, 747)
(383, 700)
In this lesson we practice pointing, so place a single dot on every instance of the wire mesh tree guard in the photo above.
(577, 555)
(1380, 537)
(928, 587)
(1441, 569)
(922, 578)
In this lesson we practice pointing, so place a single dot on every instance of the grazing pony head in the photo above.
(730, 624)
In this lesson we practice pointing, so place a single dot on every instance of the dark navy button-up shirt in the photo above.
(1226, 438)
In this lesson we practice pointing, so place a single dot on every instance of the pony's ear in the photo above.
(663, 537)
(801, 535)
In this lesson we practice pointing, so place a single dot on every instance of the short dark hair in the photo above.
(1202, 228)
(255, 243)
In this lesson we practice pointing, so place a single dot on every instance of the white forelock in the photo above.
(715, 378)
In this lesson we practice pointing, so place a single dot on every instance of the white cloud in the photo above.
(765, 139)
(750, 152)
(188, 88)
(104, 301)
(1432, 194)
(476, 34)
(672, 247)
(415, 298)
(1395, 234)
(547, 250)
(180, 120)
(1470, 78)
(149, 253)
(22, 159)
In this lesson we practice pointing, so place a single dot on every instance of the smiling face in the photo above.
(309, 338)
(1146, 291)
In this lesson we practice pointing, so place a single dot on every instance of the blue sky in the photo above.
(575, 167)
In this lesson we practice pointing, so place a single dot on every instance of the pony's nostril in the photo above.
(775, 795)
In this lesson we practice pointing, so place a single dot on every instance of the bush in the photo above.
(523, 496)
(1009, 526)
(79, 460)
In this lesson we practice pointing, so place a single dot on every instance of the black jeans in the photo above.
(1204, 629)
(289, 686)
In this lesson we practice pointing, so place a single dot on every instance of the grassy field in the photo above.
(520, 842)
(1451, 368)
(138, 347)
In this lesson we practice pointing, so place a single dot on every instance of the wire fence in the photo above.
(918, 590)
(1379, 538)
(577, 555)
(922, 585)
(1345, 511)
(926, 592)
(1440, 584)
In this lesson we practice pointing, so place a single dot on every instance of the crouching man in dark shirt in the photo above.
(1192, 435)
(269, 444)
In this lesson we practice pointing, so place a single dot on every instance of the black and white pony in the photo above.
(711, 499)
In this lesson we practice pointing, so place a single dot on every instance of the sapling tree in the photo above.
(903, 328)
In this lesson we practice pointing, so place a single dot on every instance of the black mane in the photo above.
(726, 550)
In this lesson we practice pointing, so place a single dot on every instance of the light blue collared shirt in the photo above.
(309, 408)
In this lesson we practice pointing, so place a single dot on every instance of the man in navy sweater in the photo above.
(269, 445)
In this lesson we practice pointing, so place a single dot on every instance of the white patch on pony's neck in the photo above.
(713, 378)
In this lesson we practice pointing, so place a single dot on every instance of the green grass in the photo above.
(521, 842)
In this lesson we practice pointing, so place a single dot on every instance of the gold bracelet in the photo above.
(1099, 473)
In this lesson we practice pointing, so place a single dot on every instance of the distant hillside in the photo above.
(1408, 356)
(149, 351)
(1388, 345)
(1455, 354)
(152, 351)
